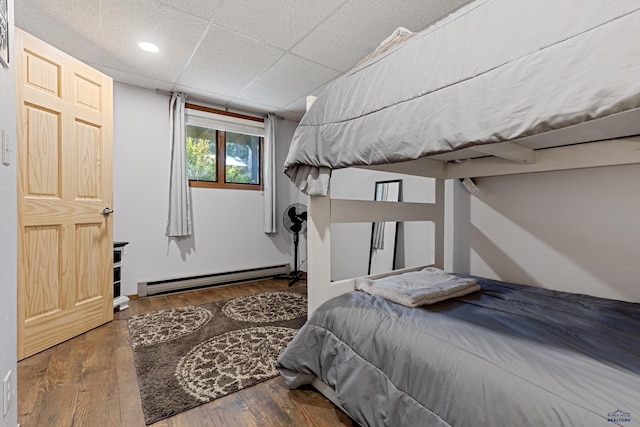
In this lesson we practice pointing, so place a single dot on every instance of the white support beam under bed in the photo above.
(324, 211)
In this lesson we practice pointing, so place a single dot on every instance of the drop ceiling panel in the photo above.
(198, 95)
(227, 62)
(281, 23)
(299, 105)
(201, 8)
(137, 80)
(72, 26)
(357, 29)
(126, 23)
(248, 106)
(289, 79)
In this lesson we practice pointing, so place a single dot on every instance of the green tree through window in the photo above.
(201, 154)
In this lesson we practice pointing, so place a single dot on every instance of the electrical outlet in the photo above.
(7, 391)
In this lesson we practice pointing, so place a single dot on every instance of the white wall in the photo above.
(287, 194)
(350, 243)
(227, 223)
(8, 232)
(575, 231)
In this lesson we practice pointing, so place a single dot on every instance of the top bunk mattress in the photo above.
(493, 71)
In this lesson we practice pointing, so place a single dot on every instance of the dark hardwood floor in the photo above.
(90, 380)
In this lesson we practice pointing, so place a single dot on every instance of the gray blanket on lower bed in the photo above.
(508, 356)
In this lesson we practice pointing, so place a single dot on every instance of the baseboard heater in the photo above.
(188, 283)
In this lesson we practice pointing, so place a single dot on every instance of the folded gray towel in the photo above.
(417, 288)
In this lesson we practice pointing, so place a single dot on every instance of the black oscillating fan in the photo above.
(295, 221)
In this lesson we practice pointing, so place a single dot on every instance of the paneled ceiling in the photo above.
(254, 56)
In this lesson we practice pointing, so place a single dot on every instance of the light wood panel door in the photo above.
(65, 242)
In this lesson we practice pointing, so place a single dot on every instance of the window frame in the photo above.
(221, 145)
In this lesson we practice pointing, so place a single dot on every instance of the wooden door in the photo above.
(65, 243)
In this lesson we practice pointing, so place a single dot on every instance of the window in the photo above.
(224, 150)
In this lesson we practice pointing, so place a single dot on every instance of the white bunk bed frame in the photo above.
(559, 150)
(440, 103)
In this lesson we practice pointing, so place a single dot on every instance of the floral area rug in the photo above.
(191, 355)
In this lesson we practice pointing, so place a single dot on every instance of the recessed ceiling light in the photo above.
(149, 47)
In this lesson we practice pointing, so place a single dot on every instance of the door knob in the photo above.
(106, 211)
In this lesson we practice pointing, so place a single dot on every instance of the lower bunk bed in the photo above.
(506, 355)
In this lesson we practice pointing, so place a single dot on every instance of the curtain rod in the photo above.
(222, 110)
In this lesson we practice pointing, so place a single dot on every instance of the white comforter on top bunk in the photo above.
(494, 71)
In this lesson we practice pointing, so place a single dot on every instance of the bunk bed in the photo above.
(498, 87)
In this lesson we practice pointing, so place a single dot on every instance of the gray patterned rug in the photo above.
(189, 356)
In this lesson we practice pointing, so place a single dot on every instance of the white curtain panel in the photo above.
(179, 223)
(269, 173)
